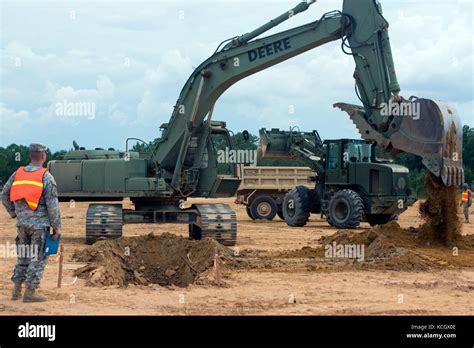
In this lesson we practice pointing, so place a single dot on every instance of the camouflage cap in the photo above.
(36, 147)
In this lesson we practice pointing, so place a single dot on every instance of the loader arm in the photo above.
(363, 31)
(283, 145)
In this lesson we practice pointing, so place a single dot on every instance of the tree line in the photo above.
(14, 156)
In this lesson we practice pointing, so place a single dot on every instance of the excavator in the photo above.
(184, 163)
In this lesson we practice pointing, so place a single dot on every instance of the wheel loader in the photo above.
(184, 162)
(350, 186)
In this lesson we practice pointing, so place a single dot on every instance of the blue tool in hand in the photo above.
(51, 246)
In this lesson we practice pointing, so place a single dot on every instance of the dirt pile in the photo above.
(166, 259)
(391, 247)
(380, 242)
(439, 212)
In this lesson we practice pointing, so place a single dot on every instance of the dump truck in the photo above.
(350, 186)
(263, 188)
(184, 163)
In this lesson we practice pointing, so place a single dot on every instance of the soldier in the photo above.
(466, 202)
(30, 196)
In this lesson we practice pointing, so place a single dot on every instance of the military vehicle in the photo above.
(351, 184)
(263, 188)
(184, 163)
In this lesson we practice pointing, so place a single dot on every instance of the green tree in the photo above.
(468, 153)
(12, 157)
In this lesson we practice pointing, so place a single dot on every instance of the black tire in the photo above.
(346, 209)
(249, 213)
(297, 206)
(263, 208)
(380, 219)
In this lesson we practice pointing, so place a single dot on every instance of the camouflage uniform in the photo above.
(466, 206)
(32, 228)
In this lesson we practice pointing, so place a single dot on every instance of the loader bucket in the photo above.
(435, 134)
(273, 145)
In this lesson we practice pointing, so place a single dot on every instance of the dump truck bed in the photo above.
(274, 178)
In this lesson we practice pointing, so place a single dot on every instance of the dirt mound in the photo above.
(391, 247)
(440, 212)
(166, 259)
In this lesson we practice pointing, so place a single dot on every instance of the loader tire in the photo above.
(297, 206)
(346, 209)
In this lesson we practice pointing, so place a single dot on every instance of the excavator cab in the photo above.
(217, 169)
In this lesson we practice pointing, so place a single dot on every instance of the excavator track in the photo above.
(103, 220)
(218, 221)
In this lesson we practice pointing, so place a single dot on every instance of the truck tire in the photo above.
(297, 206)
(249, 213)
(380, 219)
(263, 208)
(346, 209)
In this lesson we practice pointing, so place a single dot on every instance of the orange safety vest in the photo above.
(465, 196)
(28, 186)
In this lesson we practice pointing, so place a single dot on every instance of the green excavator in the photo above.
(184, 162)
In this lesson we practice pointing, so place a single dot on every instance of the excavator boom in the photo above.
(423, 127)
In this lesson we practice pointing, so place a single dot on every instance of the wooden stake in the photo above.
(60, 271)
(217, 269)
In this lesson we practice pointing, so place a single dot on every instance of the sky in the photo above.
(130, 59)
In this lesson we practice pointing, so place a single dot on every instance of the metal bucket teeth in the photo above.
(452, 175)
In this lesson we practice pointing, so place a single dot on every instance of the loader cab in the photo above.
(339, 154)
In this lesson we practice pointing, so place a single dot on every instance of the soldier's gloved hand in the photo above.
(56, 233)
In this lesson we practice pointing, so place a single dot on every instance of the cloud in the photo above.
(132, 61)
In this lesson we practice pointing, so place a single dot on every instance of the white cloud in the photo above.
(132, 61)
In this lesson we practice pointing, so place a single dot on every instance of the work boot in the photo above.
(16, 293)
(32, 296)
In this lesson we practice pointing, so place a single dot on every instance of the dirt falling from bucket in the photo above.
(439, 212)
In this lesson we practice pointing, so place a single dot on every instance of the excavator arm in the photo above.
(427, 128)
(363, 31)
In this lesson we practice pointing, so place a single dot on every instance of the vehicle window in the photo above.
(356, 152)
(333, 160)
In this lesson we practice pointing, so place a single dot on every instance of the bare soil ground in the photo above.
(278, 270)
